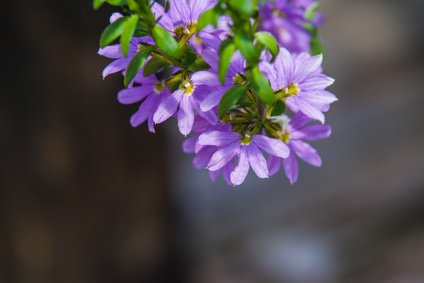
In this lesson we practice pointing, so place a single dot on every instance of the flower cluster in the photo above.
(245, 86)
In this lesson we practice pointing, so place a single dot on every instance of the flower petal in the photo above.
(257, 161)
(218, 138)
(115, 66)
(274, 164)
(213, 99)
(203, 157)
(133, 95)
(313, 132)
(240, 172)
(189, 144)
(168, 107)
(143, 112)
(291, 168)
(309, 110)
(112, 51)
(308, 67)
(185, 115)
(306, 152)
(205, 78)
(316, 82)
(272, 146)
(222, 156)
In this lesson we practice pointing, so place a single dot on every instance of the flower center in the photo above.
(292, 89)
(159, 87)
(239, 79)
(181, 31)
(246, 139)
(188, 87)
(285, 137)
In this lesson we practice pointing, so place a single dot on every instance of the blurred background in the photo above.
(86, 198)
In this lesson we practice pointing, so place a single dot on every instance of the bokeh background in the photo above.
(86, 198)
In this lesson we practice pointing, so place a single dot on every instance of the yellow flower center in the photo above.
(159, 87)
(246, 139)
(292, 89)
(239, 79)
(188, 87)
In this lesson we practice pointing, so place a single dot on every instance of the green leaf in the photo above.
(317, 47)
(136, 64)
(231, 98)
(166, 42)
(245, 7)
(278, 108)
(112, 32)
(311, 11)
(226, 51)
(246, 47)
(152, 66)
(97, 4)
(128, 32)
(262, 87)
(210, 17)
(269, 41)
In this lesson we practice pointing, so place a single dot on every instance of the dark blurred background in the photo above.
(86, 198)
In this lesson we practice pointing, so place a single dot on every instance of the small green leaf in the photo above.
(152, 66)
(136, 64)
(97, 4)
(317, 47)
(269, 41)
(112, 32)
(166, 42)
(278, 108)
(246, 47)
(262, 87)
(210, 17)
(128, 33)
(226, 51)
(231, 98)
(311, 11)
(245, 7)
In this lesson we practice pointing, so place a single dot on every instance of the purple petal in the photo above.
(179, 11)
(145, 109)
(168, 107)
(189, 144)
(316, 82)
(203, 157)
(257, 161)
(199, 6)
(185, 115)
(284, 67)
(272, 146)
(222, 156)
(112, 51)
(306, 152)
(274, 164)
(133, 95)
(313, 132)
(205, 78)
(240, 172)
(308, 67)
(213, 99)
(309, 110)
(217, 138)
(115, 66)
(299, 120)
(114, 17)
(291, 168)
(319, 97)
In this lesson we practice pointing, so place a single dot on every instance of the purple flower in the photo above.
(299, 80)
(285, 20)
(182, 18)
(186, 100)
(248, 149)
(235, 75)
(151, 93)
(293, 133)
